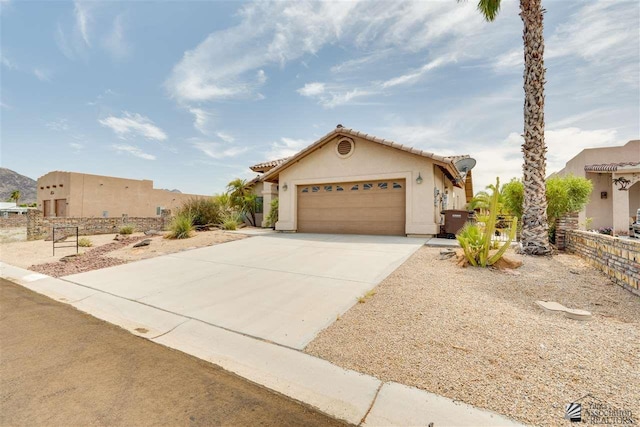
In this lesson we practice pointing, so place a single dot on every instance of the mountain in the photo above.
(11, 181)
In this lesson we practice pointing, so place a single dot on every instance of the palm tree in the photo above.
(241, 198)
(535, 229)
(15, 195)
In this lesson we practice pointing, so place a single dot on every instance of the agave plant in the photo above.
(476, 240)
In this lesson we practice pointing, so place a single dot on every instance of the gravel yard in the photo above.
(37, 255)
(475, 335)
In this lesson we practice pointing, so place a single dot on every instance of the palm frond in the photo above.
(489, 8)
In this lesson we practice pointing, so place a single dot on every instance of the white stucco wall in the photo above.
(369, 161)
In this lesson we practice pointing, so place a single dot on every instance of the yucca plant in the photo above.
(476, 240)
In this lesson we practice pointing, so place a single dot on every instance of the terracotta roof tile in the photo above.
(609, 167)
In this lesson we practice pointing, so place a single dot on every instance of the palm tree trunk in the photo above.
(535, 237)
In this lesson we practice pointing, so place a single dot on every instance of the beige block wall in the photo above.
(91, 195)
(369, 161)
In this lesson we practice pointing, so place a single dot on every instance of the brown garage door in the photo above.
(367, 207)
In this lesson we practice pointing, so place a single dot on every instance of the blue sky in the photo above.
(190, 94)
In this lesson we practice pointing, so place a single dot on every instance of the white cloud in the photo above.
(604, 36)
(134, 151)
(7, 63)
(133, 125)
(59, 125)
(312, 89)
(42, 75)
(217, 150)
(63, 43)
(286, 147)
(202, 120)
(414, 77)
(76, 146)
(115, 42)
(225, 137)
(83, 19)
(224, 65)
(101, 96)
(563, 144)
(510, 61)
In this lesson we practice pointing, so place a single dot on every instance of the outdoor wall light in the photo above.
(419, 178)
(622, 183)
(285, 187)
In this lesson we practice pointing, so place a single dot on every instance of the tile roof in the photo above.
(610, 167)
(266, 166)
(446, 163)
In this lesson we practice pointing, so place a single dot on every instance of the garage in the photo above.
(363, 207)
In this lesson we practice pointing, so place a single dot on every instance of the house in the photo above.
(615, 174)
(72, 194)
(351, 182)
(11, 208)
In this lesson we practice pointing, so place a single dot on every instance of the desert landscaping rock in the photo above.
(107, 252)
(145, 242)
(475, 335)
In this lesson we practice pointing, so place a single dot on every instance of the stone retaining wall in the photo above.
(39, 227)
(13, 221)
(617, 258)
(563, 224)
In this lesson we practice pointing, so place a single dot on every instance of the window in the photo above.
(158, 210)
(338, 188)
(382, 185)
(354, 188)
(305, 190)
(328, 188)
(315, 189)
(397, 185)
(259, 205)
(367, 186)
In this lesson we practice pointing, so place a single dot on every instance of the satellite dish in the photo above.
(465, 165)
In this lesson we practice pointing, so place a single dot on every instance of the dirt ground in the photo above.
(39, 252)
(61, 367)
(475, 335)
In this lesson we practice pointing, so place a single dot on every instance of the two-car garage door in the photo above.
(365, 207)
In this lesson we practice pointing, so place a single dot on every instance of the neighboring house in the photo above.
(351, 182)
(615, 173)
(72, 194)
(11, 208)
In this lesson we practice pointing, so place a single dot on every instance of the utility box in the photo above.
(454, 220)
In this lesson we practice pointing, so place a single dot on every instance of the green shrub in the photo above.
(476, 240)
(272, 217)
(126, 229)
(513, 197)
(85, 243)
(231, 221)
(181, 227)
(203, 210)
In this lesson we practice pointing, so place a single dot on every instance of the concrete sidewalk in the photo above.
(341, 393)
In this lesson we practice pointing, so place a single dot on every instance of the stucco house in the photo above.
(72, 194)
(615, 174)
(351, 182)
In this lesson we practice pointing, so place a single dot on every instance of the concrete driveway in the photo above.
(283, 288)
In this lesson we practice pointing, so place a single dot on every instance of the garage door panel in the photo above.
(366, 207)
